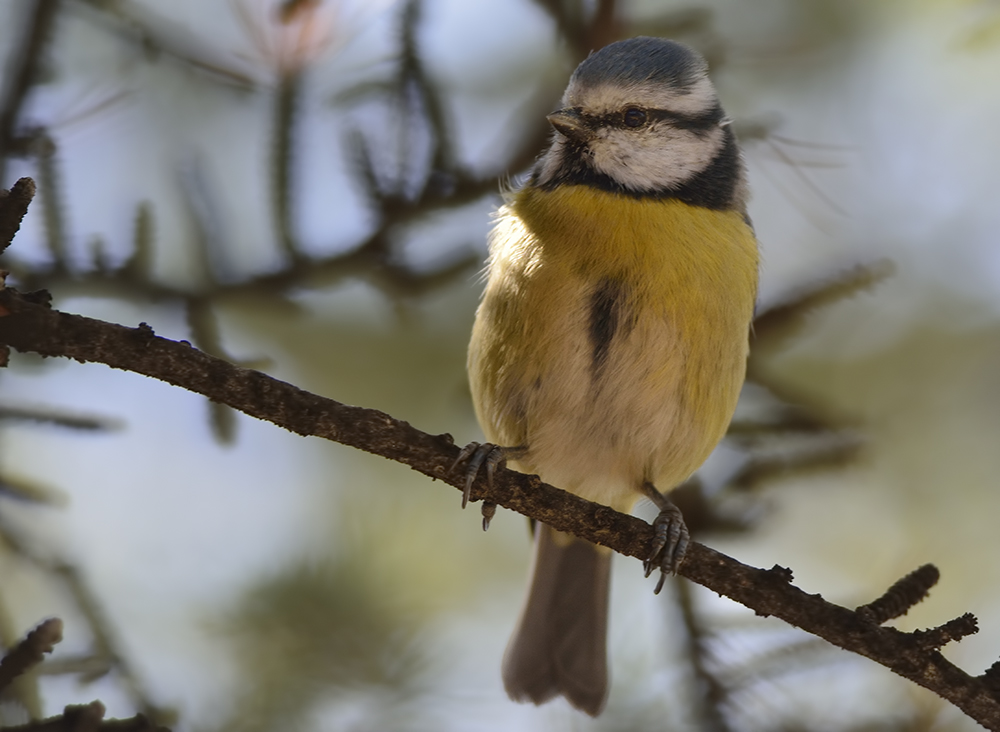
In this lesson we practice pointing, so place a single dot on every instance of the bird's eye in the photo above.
(634, 117)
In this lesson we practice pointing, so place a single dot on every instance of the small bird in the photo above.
(610, 345)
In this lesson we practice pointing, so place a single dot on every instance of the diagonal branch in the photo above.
(29, 325)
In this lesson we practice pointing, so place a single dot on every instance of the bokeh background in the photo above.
(305, 187)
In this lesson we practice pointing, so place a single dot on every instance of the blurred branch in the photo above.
(758, 471)
(156, 35)
(106, 655)
(780, 323)
(584, 34)
(372, 258)
(59, 419)
(105, 645)
(710, 694)
(411, 73)
(286, 99)
(25, 62)
(26, 491)
(50, 189)
(775, 326)
(791, 420)
(29, 325)
(88, 718)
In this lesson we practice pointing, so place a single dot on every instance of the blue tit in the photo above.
(610, 345)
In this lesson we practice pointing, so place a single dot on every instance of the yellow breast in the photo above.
(612, 336)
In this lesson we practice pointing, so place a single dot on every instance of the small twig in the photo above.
(950, 632)
(30, 651)
(13, 207)
(903, 595)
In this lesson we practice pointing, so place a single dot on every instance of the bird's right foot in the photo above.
(671, 537)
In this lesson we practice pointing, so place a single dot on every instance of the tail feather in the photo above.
(559, 645)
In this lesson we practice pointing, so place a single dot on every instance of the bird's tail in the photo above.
(560, 643)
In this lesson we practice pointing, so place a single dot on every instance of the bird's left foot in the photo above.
(475, 455)
(670, 537)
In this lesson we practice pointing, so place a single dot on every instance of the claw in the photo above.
(489, 511)
(670, 538)
(473, 468)
(477, 455)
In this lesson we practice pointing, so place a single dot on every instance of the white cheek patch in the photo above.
(664, 157)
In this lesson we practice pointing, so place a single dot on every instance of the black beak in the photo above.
(570, 123)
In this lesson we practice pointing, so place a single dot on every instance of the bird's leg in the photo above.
(670, 536)
(475, 455)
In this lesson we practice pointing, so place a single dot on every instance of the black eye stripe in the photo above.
(694, 122)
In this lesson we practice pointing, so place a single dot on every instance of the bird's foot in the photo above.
(670, 538)
(475, 455)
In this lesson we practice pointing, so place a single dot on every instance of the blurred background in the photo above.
(305, 186)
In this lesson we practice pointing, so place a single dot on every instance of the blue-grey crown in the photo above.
(642, 59)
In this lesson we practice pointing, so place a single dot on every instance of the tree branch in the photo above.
(29, 325)
(88, 718)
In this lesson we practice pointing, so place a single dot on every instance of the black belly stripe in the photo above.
(606, 305)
